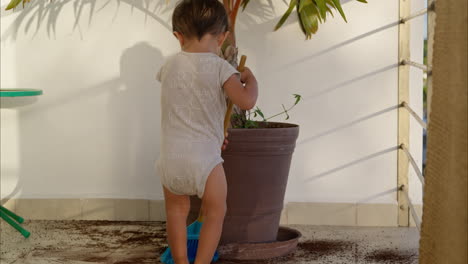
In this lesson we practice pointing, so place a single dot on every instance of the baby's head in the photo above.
(194, 20)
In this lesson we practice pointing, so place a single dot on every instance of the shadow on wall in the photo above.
(134, 112)
(348, 82)
(44, 13)
(58, 140)
(341, 44)
(352, 163)
(346, 125)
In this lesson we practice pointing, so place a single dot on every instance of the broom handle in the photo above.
(227, 117)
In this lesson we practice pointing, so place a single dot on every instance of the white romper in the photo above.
(193, 106)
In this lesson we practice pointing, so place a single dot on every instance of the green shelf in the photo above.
(19, 92)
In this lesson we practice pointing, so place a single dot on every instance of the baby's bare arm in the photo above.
(242, 92)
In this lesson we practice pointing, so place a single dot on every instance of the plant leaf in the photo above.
(298, 98)
(309, 20)
(362, 1)
(285, 16)
(317, 11)
(303, 3)
(13, 4)
(251, 124)
(337, 5)
(322, 8)
(244, 4)
(260, 113)
(330, 11)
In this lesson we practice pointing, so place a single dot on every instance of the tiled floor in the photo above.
(85, 242)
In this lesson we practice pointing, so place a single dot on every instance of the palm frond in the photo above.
(13, 4)
(340, 9)
(311, 13)
(288, 12)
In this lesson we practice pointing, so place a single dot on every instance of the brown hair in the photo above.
(195, 18)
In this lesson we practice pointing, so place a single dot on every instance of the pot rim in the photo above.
(268, 250)
(297, 235)
(288, 126)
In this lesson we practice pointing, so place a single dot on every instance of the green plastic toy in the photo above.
(10, 218)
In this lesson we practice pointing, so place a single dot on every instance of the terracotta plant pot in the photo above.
(256, 163)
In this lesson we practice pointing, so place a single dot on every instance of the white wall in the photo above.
(94, 132)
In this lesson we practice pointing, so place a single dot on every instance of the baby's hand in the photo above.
(246, 75)
(225, 142)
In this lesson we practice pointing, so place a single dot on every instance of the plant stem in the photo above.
(233, 15)
(287, 110)
(227, 6)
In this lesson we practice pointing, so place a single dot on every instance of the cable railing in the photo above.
(413, 163)
(404, 200)
(421, 12)
(423, 67)
(413, 113)
(416, 218)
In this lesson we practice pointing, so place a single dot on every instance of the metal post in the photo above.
(403, 115)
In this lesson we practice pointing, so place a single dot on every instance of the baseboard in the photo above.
(342, 214)
(88, 209)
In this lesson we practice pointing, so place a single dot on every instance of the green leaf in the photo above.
(317, 11)
(322, 8)
(251, 124)
(309, 20)
(285, 16)
(298, 98)
(337, 5)
(13, 4)
(330, 11)
(329, 4)
(244, 4)
(362, 1)
(303, 3)
(260, 113)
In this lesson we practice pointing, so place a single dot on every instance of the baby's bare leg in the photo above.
(214, 209)
(177, 209)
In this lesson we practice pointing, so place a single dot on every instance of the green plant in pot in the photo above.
(258, 156)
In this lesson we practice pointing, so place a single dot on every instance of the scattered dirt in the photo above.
(307, 251)
(284, 259)
(141, 239)
(143, 242)
(327, 251)
(138, 261)
(105, 242)
(114, 223)
(391, 256)
(95, 259)
(315, 249)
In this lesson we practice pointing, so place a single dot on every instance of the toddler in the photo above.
(194, 86)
